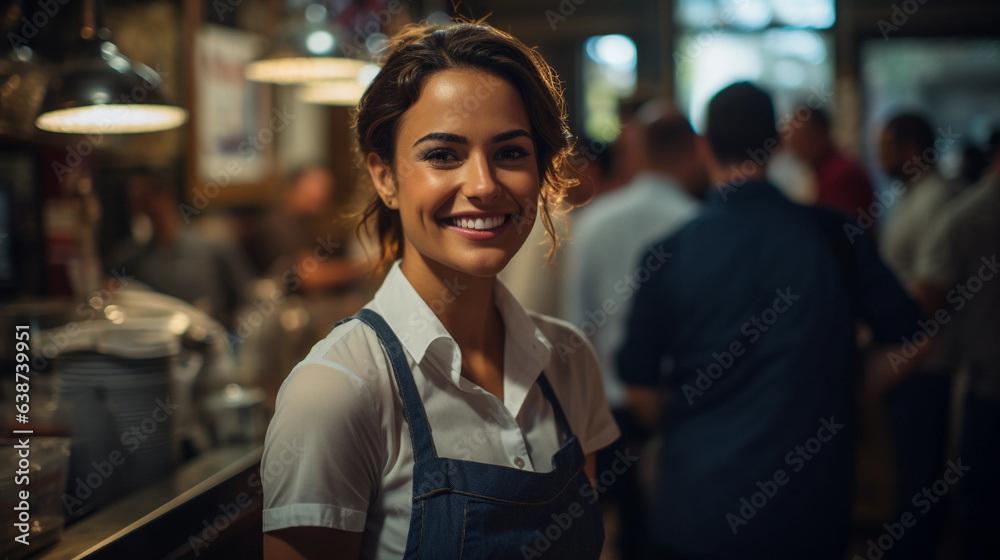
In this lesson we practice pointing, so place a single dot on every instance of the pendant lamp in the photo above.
(101, 91)
(344, 93)
(309, 48)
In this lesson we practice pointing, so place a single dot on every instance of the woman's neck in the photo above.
(462, 302)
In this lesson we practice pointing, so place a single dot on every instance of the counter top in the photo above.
(182, 515)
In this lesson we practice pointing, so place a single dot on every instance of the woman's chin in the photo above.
(483, 266)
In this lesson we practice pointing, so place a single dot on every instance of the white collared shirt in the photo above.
(338, 453)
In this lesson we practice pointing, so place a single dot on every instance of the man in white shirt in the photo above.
(956, 269)
(339, 454)
(608, 238)
(918, 407)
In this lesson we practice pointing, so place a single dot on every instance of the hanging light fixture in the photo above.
(102, 91)
(308, 49)
(344, 93)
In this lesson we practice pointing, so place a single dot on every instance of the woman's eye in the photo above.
(512, 152)
(439, 156)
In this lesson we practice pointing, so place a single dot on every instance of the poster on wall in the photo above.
(233, 113)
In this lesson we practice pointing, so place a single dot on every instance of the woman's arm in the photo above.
(311, 543)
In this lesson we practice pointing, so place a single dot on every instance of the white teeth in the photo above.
(479, 223)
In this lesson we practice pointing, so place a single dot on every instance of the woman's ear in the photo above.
(381, 174)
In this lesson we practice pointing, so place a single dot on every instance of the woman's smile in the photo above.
(478, 227)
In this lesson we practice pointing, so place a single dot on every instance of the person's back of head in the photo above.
(671, 146)
(809, 137)
(741, 133)
(911, 128)
(908, 138)
(740, 127)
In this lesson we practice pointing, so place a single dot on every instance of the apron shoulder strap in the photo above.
(550, 395)
(413, 408)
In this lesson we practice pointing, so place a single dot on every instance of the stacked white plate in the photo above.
(118, 398)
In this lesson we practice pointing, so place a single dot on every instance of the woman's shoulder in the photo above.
(349, 354)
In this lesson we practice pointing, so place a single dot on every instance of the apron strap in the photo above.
(550, 395)
(413, 408)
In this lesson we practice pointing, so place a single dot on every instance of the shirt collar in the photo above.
(410, 318)
(526, 349)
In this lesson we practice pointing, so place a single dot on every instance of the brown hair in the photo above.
(416, 53)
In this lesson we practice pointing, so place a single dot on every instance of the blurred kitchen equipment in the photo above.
(126, 380)
(117, 395)
(239, 414)
(48, 467)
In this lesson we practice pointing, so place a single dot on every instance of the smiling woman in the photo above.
(438, 422)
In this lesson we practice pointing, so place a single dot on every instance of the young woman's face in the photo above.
(465, 167)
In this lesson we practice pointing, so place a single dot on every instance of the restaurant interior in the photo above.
(225, 127)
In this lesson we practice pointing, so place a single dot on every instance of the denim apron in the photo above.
(464, 509)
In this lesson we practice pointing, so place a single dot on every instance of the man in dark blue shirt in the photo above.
(751, 327)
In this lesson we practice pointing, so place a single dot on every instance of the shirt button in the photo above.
(519, 462)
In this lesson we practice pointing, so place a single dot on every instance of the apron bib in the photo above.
(465, 509)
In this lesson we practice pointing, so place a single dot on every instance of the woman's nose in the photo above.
(480, 181)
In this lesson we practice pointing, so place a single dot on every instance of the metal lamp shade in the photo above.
(104, 92)
(305, 53)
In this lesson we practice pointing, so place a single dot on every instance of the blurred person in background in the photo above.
(749, 327)
(284, 238)
(841, 183)
(609, 237)
(974, 164)
(956, 272)
(310, 279)
(917, 409)
(169, 258)
(629, 149)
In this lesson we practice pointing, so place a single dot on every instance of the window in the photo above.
(609, 74)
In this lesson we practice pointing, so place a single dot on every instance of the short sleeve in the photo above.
(323, 458)
(579, 386)
(601, 430)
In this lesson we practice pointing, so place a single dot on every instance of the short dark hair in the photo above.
(911, 128)
(740, 123)
(817, 117)
(669, 136)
